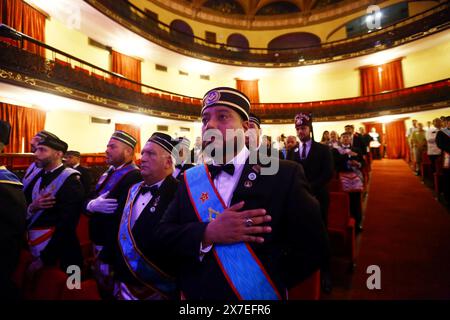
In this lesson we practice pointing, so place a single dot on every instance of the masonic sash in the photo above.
(7, 176)
(106, 184)
(143, 269)
(242, 269)
(31, 172)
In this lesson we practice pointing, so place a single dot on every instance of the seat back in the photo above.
(339, 211)
(309, 289)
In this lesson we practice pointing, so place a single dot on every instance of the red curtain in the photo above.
(250, 88)
(396, 147)
(129, 67)
(25, 19)
(134, 131)
(25, 123)
(385, 77)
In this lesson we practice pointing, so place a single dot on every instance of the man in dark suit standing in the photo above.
(317, 162)
(241, 230)
(12, 222)
(142, 270)
(54, 200)
(356, 139)
(72, 160)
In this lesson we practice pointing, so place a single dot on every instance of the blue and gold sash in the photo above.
(31, 172)
(8, 177)
(143, 269)
(103, 187)
(242, 269)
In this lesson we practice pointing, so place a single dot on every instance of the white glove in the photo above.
(103, 205)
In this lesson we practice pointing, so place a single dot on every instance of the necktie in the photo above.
(216, 170)
(304, 150)
(153, 190)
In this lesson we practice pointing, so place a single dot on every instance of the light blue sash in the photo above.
(7, 176)
(242, 269)
(52, 188)
(114, 179)
(143, 269)
(31, 172)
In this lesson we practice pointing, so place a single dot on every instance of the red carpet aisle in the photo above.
(407, 234)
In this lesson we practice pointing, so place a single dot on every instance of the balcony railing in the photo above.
(410, 29)
(66, 75)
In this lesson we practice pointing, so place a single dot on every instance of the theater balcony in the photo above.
(66, 75)
(403, 31)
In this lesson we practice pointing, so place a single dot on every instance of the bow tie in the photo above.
(153, 190)
(179, 166)
(216, 170)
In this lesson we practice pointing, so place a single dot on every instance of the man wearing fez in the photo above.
(33, 170)
(54, 200)
(143, 271)
(106, 205)
(317, 162)
(182, 158)
(240, 234)
(72, 160)
(12, 222)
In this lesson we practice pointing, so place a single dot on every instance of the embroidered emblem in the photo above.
(248, 184)
(213, 214)
(211, 98)
(204, 197)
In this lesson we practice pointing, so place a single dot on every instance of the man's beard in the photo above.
(43, 163)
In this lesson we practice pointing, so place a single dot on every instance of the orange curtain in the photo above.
(250, 88)
(25, 123)
(129, 67)
(381, 78)
(25, 19)
(396, 147)
(134, 131)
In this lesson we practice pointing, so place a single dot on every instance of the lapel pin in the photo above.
(152, 209)
(296, 150)
(252, 176)
(248, 184)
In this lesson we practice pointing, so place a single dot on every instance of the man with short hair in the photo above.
(356, 140)
(291, 143)
(241, 230)
(106, 205)
(143, 270)
(432, 149)
(419, 142)
(54, 200)
(12, 222)
(72, 160)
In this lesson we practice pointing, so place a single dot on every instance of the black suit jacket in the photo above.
(294, 250)
(64, 216)
(359, 144)
(12, 236)
(85, 178)
(180, 175)
(144, 233)
(103, 228)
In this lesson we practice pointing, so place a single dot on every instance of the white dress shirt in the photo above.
(141, 202)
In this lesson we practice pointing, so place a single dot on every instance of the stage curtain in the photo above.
(25, 123)
(385, 77)
(396, 147)
(25, 19)
(129, 67)
(135, 132)
(249, 88)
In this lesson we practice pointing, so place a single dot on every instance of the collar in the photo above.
(75, 166)
(308, 143)
(158, 184)
(53, 170)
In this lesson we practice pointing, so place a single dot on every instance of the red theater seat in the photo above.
(48, 284)
(88, 291)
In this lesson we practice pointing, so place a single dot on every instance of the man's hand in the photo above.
(232, 226)
(103, 205)
(44, 201)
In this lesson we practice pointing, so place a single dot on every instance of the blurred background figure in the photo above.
(72, 160)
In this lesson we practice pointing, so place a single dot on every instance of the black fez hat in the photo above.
(227, 97)
(5, 131)
(255, 119)
(124, 137)
(44, 134)
(303, 119)
(164, 141)
(53, 142)
(73, 153)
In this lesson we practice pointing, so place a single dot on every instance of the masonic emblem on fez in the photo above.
(204, 197)
(211, 98)
(302, 119)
